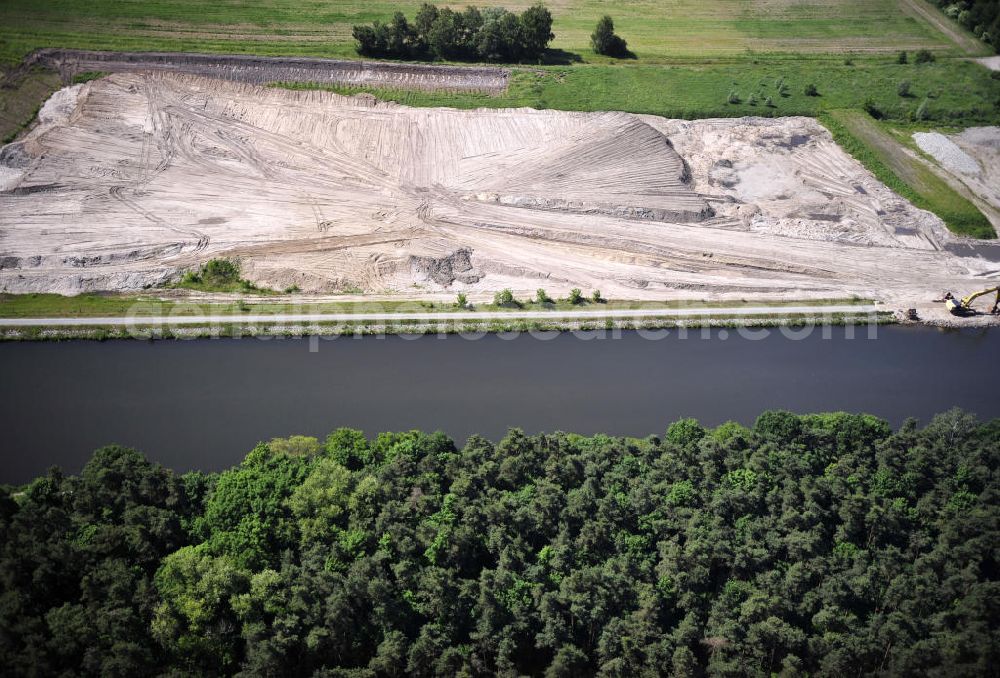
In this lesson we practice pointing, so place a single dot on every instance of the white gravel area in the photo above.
(60, 106)
(947, 152)
(992, 63)
(9, 177)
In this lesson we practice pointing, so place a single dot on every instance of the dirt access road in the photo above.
(131, 179)
(965, 41)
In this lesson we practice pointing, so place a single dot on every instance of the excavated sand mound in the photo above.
(132, 178)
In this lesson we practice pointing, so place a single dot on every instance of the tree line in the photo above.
(982, 17)
(491, 34)
(815, 544)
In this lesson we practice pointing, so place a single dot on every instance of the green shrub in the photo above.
(604, 41)
(925, 56)
(222, 275)
(504, 297)
(685, 432)
(461, 300)
(902, 58)
(220, 272)
(682, 493)
(733, 98)
(87, 76)
(873, 110)
(811, 91)
(903, 89)
(542, 297)
(922, 112)
(575, 296)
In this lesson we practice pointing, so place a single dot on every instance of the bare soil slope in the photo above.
(262, 70)
(132, 178)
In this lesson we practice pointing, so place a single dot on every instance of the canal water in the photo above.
(205, 403)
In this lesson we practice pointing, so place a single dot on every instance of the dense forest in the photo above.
(491, 34)
(815, 544)
(982, 17)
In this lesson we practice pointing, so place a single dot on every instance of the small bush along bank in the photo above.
(219, 275)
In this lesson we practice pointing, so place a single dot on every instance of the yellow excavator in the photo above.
(963, 306)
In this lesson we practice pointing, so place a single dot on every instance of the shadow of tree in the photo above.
(560, 57)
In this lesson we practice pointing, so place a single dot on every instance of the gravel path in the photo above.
(935, 17)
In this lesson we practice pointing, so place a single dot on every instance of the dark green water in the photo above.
(205, 403)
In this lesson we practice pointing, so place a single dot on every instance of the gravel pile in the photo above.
(992, 63)
(946, 152)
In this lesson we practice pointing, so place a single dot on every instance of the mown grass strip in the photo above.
(240, 330)
(109, 305)
(959, 92)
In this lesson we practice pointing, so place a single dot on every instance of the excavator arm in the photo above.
(967, 301)
(963, 306)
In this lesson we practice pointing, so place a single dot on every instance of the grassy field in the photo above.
(655, 29)
(19, 104)
(109, 305)
(957, 91)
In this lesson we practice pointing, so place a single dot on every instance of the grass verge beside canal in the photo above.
(151, 305)
(486, 326)
(152, 318)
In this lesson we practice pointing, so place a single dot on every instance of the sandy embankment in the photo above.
(150, 174)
